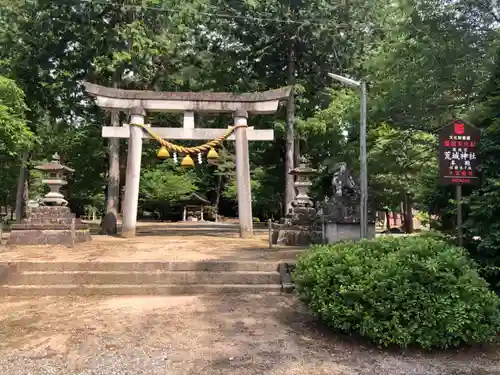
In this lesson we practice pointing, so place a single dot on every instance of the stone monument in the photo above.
(341, 211)
(52, 221)
(298, 228)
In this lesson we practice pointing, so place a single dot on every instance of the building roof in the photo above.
(196, 198)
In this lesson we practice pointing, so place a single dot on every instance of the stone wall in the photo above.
(336, 232)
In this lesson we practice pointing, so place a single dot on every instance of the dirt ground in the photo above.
(161, 242)
(210, 335)
(244, 334)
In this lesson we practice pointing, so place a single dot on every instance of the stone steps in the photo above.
(133, 290)
(44, 220)
(147, 278)
(142, 266)
(31, 279)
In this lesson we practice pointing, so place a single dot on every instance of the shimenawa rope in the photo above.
(189, 150)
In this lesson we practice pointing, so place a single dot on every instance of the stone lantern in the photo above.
(298, 229)
(55, 180)
(302, 184)
(52, 222)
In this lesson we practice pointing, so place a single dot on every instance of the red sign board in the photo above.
(457, 154)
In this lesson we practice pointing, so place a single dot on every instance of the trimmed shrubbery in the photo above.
(402, 291)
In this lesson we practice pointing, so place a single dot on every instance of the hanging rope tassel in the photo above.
(163, 153)
(212, 154)
(187, 162)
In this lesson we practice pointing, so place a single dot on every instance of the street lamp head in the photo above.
(345, 80)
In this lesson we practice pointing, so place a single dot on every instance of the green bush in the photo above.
(402, 291)
(440, 236)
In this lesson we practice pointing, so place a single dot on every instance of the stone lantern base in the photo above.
(297, 229)
(48, 225)
(295, 235)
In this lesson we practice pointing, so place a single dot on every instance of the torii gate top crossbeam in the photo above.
(189, 134)
(256, 103)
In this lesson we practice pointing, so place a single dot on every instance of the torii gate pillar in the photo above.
(133, 177)
(243, 174)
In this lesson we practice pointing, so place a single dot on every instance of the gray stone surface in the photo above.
(58, 236)
(340, 213)
(258, 102)
(343, 206)
(336, 232)
(189, 134)
(298, 229)
(54, 179)
(295, 235)
(48, 225)
(141, 278)
(110, 92)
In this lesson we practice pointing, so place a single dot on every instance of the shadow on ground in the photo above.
(283, 338)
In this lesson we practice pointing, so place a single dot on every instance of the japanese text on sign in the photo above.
(457, 154)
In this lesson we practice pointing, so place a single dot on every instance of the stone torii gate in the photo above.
(137, 103)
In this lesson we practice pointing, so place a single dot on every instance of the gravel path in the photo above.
(209, 335)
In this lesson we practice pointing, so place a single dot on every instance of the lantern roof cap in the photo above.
(303, 168)
(54, 165)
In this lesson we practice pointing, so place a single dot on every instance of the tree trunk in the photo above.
(109, 222)
(387, 220)
(219, 192)
(21, 188)
(290, 129)
(6, 205)
(408, 214)
(26, 190)
(296, 150)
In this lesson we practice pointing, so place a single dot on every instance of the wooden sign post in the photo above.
(458, 161)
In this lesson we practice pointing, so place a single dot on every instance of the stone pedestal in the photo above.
(48, 225)
(295, 235)
(341, 220)
(338, 231)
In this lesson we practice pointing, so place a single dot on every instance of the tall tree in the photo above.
(277, 43)
(15, 137)
(482, 226)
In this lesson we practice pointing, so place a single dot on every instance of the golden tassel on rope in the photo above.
(187, 162)
(163, 153)
(212, 154)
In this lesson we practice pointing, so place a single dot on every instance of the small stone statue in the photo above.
(337, 180)
(342, 182)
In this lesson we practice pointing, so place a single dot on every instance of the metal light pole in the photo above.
(362, 140)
